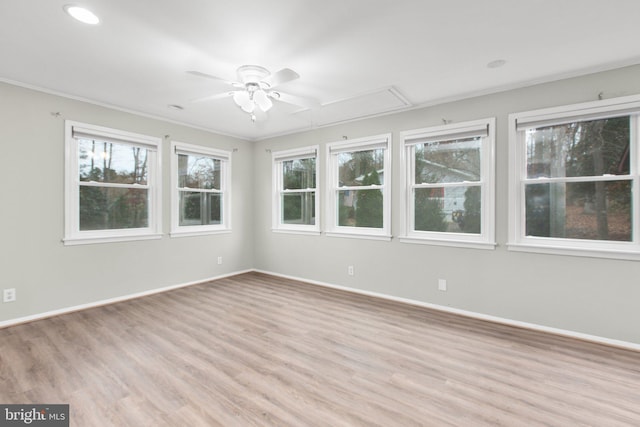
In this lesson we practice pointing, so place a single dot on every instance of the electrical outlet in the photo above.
(350, 270)
(219, 260)
(9, 295)
(442, 285)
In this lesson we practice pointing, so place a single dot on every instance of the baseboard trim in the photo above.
(40, 316)
(495, 319)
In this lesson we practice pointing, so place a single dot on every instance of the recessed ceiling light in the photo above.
(496, 64)
(81, 14)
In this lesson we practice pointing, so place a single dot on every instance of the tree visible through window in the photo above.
(200, 190)
(112, 191)
(583, 188)
(113, 185)
(574, 179)
(295, 174)
(449, 183)
(363, 173)
(298, 192)
(359, 201)
(454, 209)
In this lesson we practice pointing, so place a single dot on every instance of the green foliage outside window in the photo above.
(472, 206)
(104, 207)
(369, 204)
(428, 212)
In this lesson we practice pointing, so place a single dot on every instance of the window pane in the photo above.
(299, 174)
(360, 208)
(299, 208)
(583, 210)
(591, 148)
(198, 172)
(361, 168)
(214, 208)
(110, 162)
(197, 208)
(113, 208)
(448, 209)
(448, 161)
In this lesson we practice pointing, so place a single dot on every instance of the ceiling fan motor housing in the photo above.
(253, 75)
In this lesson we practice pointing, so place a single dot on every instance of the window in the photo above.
(200, 194)
(112, 186)
(575, 179)
(449, 185)
(359, 200)
(295, 201)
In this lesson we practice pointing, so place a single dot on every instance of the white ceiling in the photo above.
(356, 57)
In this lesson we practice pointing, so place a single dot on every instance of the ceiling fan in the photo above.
(255, 89)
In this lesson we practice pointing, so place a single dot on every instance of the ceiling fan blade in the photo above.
(283, 76)
(295, 100)
(209, 76)
(216, 96)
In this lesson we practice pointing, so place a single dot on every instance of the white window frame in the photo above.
(224, 156)
(278, 158)
(72, 233)
(518, 123)
(484, 128)
(361, 144)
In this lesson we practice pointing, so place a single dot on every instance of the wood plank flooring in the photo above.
(255, 350)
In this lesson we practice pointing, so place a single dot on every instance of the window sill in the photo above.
(621, 254)
(185, 233)
(449, 242)
(292, 231)
(386, 238)
(74, 241)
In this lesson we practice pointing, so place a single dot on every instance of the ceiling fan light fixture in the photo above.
(260, 97)
(248, 107)
(253, 91)
(243, 100)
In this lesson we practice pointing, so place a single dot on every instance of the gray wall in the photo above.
(593, 296)
(587, 295)
(48, 275)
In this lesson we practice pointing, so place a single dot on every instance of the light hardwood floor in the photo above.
(258, 350)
